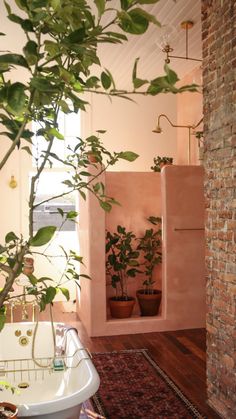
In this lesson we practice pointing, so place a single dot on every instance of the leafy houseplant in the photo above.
(149, 246)
(58, 56)
(8, 410)
(122, 263)
(160, 162)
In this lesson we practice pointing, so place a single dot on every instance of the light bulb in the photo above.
(169, 35)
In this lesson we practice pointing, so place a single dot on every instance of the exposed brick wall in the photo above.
(219, 107)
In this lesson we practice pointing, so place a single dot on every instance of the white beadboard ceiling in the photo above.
(119, 59)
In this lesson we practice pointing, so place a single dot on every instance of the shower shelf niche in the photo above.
(177, 195)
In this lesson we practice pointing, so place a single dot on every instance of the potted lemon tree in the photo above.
(122, 263)
(149, 246)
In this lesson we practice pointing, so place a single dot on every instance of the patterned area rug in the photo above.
(133, 386)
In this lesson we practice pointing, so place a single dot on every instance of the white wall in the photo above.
(129, 127)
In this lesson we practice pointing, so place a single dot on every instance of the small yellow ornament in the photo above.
(13, 182)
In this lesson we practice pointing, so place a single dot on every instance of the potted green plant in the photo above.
(122, 263)
(160, 162)
(8, 410)
(149, 245)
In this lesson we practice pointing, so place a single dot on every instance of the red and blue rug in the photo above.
(133, 386)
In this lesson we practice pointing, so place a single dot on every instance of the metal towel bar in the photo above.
(189, 229)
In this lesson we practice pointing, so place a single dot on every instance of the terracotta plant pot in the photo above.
(121, 309)
(149, 303)
(6, 409)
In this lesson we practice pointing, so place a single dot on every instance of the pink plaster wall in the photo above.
(139, 194)
(183, 281)
(183, 245)
(91, 300)
(189, 112)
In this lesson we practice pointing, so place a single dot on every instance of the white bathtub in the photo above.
(51, 394)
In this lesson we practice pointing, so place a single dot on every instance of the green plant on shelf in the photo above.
(150, 247)
(160, 162)
(122, 260)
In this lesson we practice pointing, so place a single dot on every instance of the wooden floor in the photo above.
(181, 354)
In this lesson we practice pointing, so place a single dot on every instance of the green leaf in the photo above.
(147, 16)
(83, 194)
(171, 75)
(77, 36)
(31, 52)
(105, 206)
(85, 276)
(51, 47)
(33, 280)
(100, 6)
(106, 80)
(7, 7)
(55, 133)
(27, 149)
(154, 90)
(128, 155)
(22, 4)
(45, 278)
(112, 259)
(50, 294)
(2, 249)
(133, 263)
(27, 25)
(124, 4)
(139, 83)
(65, 292)
(43, 85)
(15, 18)
(71, 214)
(55, 4)
(134, 73)
(101, 131)
(117, 35)
(17, 97)
(154, 220)
(11, 237)
(61, 212)
(64, 106)
(43, 236)
(133, 22)
(13, 59)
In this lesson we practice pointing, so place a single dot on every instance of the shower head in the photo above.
(157, 130)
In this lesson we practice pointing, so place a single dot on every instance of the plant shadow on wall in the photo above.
(59, 55)
(129, 256)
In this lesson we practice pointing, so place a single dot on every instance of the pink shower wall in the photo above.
(183, 281)
(183, 245)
